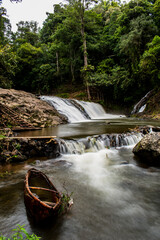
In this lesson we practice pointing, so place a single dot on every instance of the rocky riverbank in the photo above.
(17, 149)
(19, 109)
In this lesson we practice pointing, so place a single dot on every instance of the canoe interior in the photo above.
(39, 181)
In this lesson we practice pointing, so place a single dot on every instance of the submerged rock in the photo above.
(148, 149)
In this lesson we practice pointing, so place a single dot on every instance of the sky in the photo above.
(28, 10)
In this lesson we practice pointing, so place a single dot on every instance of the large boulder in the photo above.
(148, 149)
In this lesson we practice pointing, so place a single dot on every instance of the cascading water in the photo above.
(141, 105)
(78, 111)
(97, 143)
(66, 108)
(142, 108)
(94, 110)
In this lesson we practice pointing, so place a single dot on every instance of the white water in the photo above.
(66, 108)
(95, 144)
(142, 108)
(106, 173)
(96, 111)
(141, 105)
(74, 114)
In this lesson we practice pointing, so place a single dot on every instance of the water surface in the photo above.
(91, 127)
(114, 197)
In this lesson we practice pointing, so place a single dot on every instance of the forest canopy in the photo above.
(111, 49)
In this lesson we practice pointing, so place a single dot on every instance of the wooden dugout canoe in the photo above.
(42, 200)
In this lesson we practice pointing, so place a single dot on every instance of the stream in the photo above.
(115, 197)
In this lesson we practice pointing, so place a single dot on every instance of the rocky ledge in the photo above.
(18, 149)
(148, 149)
(25, 110)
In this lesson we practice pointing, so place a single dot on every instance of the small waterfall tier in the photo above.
(141, 105)
(96, 143)
(78, 111)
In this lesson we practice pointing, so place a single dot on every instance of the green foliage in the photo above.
(28, 53)
(117, 78)
(105, 45)
(63, 95)
(2, 136)
(18, 146)
(132, 44)
(66, 202)
(8, 66)
(150, 62)
(5, 174)
(20, 233)
(27, 32)
(81, 95)
(5, 27)
(156, 12)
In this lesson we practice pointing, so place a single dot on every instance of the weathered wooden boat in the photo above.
(42, 200)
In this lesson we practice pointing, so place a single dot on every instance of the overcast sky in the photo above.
(28, 10)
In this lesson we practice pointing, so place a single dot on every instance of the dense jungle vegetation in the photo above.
(109, 48)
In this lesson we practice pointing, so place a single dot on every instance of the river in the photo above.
(115, 197)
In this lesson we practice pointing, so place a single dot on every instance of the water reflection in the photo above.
(90, 128)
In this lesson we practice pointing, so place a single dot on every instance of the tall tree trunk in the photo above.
(72, 66)
(57, 62)
(84, 49)
(72, 72)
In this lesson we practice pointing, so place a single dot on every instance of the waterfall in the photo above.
(142, 108)
(78, 111)
(97, 143)
(94, 110)
(141, 105)
(66, 108)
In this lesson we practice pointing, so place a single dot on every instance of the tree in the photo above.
(156, 12)
(8, 66)
(26, 32)
(79, 8)
(5, 27)
(29, 57)
(132, 44)
(150, 63)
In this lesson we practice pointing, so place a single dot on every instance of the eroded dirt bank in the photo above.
(26, 110)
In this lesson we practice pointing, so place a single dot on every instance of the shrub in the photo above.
(20, 234)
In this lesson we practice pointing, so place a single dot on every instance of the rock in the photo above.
(148, 149)
(25, 109)
(17, 149)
